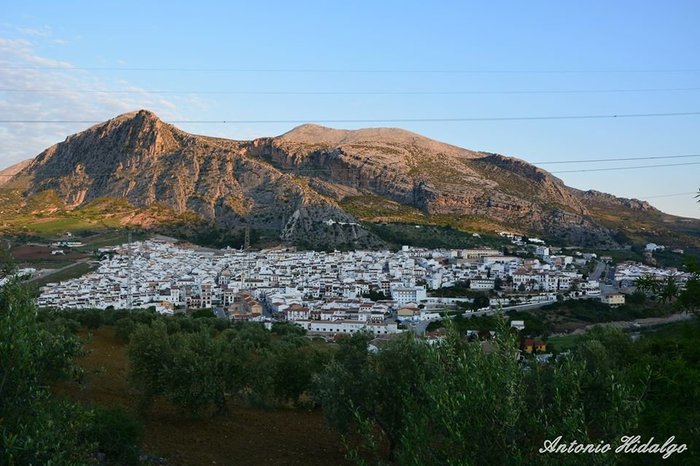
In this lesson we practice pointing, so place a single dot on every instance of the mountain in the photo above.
(12, 170)
(313, 185)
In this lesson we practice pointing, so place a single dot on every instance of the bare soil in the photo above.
(35, 253)
(246, 436)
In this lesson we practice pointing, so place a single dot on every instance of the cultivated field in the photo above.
(246, 436)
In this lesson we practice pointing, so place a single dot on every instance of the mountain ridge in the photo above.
(296, 184)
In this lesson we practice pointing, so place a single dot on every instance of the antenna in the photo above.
(246, 240)
(129, 297)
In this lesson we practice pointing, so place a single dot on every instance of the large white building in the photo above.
(347, 327)
(405, 295)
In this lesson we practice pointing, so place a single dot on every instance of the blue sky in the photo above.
(498, 47)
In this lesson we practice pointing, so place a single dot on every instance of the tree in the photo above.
(368, 392)
(647, 284)
(375, 295)
(498, 284)
(669, 289)
(201, 372)
(150, 354)
(294, 363)
(458, 403)
(34, 427)
(193, 370)
(689, 298)
(7, 262)
(116, 433)
(484, 407)
(480, 301)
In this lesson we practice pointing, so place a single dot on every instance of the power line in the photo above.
(619, 159)
(669, 195)
(625, 168)
(371, 92)
(351, 70)
(301, 171)
(653, 157)
(384, 120)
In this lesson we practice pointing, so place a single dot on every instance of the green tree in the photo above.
(363, 391)
(498, 284)
(194, 370)
(7, 262)
(463, 403)
(294, 363)
(34, 427)
(481, 300)
(200, 373)
(647, 284)
(151, 354)
(116, 433)
(669, 289)
(689, 298)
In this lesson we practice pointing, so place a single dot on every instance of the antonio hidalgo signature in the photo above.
(628, 444)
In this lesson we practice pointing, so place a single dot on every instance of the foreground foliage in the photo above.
(461, 403)
(35, 427)
(199, 367)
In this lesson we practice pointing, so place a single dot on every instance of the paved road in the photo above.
(53, 271)
(599, 268)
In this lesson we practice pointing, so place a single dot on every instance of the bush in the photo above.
(34, 428)
(116, 433)
(287, 328)
(199, 313)
(123, 328)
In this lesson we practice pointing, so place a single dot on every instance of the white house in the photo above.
(347, 326)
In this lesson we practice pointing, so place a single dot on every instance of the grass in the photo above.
(669, 331)
(45, 215)
(111, 238)
(379, 209)
(672, 331)
(77, 270)
(431, 236)
(70, 223)
(564, 342)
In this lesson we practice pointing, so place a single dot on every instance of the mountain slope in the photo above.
(298, 186)
(139, 158)
(7, 174)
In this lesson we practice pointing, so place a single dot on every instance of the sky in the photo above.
(383, 61)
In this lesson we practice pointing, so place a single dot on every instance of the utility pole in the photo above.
(129, 280)
(246, 240)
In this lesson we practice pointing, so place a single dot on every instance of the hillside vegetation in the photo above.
(192, 385)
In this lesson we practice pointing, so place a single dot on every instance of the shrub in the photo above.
(116, 433)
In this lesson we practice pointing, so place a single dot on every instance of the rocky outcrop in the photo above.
(292, 184)
(139, 158)
(596, 198)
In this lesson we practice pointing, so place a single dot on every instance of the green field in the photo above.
(563, 343)
(110, 238)
(75, 271)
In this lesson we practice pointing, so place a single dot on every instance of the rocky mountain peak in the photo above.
(295, 183)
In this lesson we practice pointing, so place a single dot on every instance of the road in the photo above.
(599, 268)
(39, 276)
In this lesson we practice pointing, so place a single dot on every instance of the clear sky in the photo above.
(377, 60)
